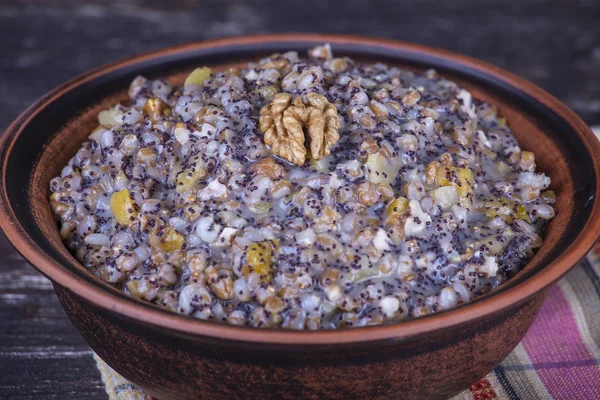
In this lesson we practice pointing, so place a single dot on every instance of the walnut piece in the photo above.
(278, 62)
(267, 167)
(157, 109)
(283, 124)
(285, 142)
(323, 125)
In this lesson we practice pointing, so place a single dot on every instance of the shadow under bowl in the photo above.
(175, 357)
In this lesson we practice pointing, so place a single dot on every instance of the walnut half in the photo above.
(283, 122)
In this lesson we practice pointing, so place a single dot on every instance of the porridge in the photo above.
(304, 193)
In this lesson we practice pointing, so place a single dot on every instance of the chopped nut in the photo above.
(329, 277)
(281, 188)
(157, 109)
(514, 156)
(157, 256)
(275, 64)
(367, 121)
(274, 305)
(428, 112)
(344, 195)
(379, 110)
(368, 147)
(222, 287)
(381, 94)
(278, 62)
(431, 172)
(408, 142)
(167, 275)
(282, 123)
(199, 117)
(462, 137)
(365, 236)
(268, 167)
(333, 246)
(196, 263)
(288, 292)
(411, 98)
(146, 155)
(446, 160)
(326, 220)
(338, 65)
(387, 264)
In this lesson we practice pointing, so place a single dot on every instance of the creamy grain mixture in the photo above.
(361, 194)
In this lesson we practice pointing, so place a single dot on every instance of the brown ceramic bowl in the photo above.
(176, 357)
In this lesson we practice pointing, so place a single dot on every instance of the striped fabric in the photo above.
(559, 358)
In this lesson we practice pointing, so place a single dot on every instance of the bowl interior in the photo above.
(52, 130)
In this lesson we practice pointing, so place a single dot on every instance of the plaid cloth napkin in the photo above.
(559, 358)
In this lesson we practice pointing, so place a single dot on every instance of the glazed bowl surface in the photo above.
(175, 357)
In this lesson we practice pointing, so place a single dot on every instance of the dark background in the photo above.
(555, 44)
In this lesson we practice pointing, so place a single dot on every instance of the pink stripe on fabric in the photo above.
(558, 353)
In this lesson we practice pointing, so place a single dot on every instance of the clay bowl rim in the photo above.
(153, 316)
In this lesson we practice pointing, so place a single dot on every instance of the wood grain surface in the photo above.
(555, 44)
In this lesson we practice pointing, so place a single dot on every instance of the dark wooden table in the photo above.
(555, 44)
